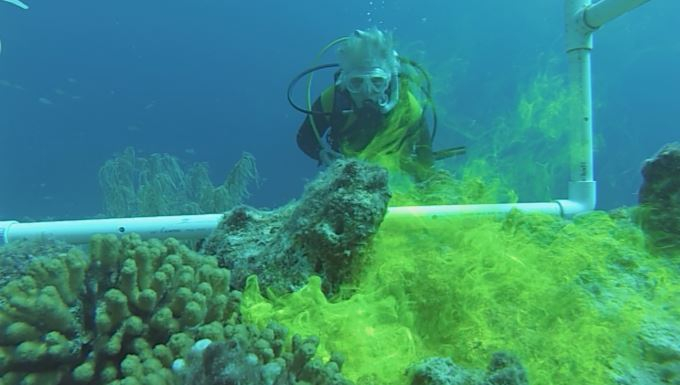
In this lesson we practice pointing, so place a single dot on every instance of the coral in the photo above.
(159, 185)
(659, 199)
(369, 331)
(120, 316)
(577, 301)
(504, 369)
(441, 371)
(324, 233)
(18, 255)
(658, 361)
(38, 326)
(253, 356)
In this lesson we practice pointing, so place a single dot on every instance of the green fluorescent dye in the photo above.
(566, 297)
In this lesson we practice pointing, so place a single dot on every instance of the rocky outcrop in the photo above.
(324, 233)
(659, 199)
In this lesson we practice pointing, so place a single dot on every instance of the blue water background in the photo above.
(206, 80)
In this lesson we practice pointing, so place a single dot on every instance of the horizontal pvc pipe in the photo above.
(604, 11)
(200, 226)
(553, 208)
(80, 231)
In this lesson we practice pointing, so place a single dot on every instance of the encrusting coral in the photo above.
(18, 255)
(504, 369)
(119, 316)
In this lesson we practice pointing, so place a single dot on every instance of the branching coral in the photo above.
(256, 356)
(120, 316)
(132, 310)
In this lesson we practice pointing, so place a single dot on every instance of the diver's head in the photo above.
(369, 69)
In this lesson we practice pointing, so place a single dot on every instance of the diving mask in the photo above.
(372, 86)
(374, 81)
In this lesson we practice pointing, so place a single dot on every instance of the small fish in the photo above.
(17, 3)
(45, 101)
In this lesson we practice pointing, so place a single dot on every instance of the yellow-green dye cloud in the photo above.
(567, 297)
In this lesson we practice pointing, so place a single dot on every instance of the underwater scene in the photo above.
(383, 192)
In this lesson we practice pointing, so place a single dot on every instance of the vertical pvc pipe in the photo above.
(579, 44)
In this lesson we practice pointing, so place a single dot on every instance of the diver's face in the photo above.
(368, 86)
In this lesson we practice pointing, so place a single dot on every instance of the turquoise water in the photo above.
(129, 108)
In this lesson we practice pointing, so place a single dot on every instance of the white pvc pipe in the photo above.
(582, 18)
(80, 231)
(604, 11)
(579, 43)
(553, 208)
(200, 226)
(561, 207)
(17, 3)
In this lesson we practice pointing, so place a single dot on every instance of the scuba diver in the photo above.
(372, 111)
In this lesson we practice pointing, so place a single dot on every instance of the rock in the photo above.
(441, 371)
(659, 199)
(505, 369)
(324, 233)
